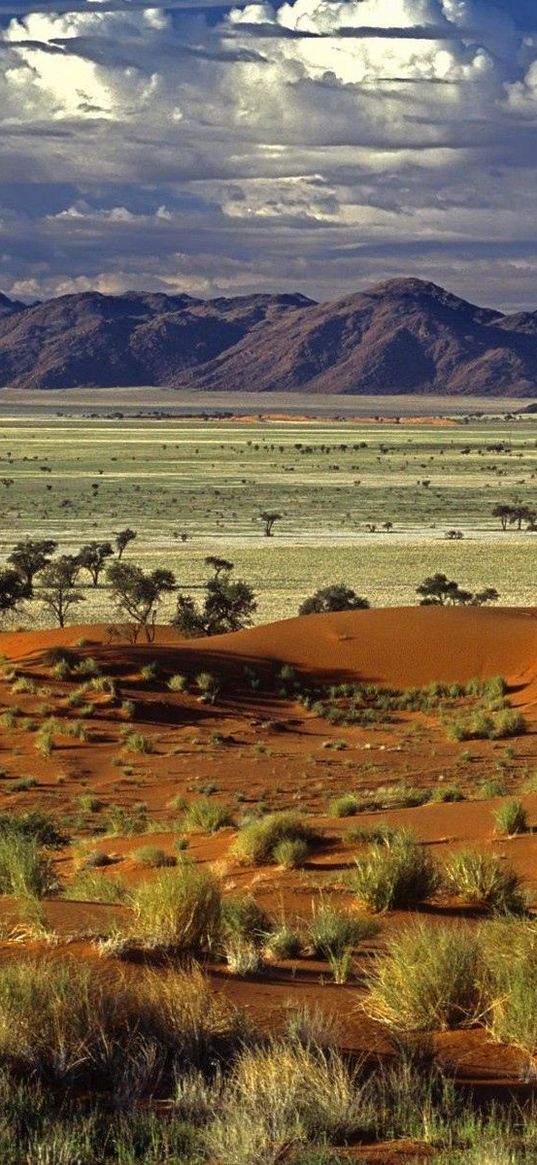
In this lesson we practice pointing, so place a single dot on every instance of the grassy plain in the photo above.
(77, 479)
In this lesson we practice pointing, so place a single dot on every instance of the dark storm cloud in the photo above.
(315, 144)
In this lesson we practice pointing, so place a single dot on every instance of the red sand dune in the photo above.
(402, 647)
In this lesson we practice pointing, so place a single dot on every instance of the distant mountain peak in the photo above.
(400, 335)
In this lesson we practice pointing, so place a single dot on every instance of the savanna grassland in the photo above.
(368, 503)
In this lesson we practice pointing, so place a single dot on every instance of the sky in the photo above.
(318, 146)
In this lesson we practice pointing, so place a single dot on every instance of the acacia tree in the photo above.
(269, 517)
(137, 595)
(59, 594)
(93, 557)
(13, 590)
(439, 591)
(123, 537)
(72, 564)
(228, 605)
(337, 597)
(28, 557)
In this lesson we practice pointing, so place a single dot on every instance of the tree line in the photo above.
(228, 603)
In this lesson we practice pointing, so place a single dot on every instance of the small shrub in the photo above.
(180, 908)
(345, 806)
(492, 787)
(242, 916)
(153, 856)
(126, 822)
(90, 886)
(380, 832)
(331, 931)
(510, 817)
(207, 815)
(397, 874)
(209, 685)
(291, 854)
(90, 803)
(137, 742)
(60, 670)
(428, 980)
(25, 870)
(128, 708)
(22, 784)
(509, 722)
(257, 841)
(482, 879)
(446, 794)
(88, 667)
(150, 671)
(178, 683)
(242, 956)
(283, 943)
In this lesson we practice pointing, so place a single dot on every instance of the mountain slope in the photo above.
(404, 335)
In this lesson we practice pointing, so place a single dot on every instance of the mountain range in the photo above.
(400, 336)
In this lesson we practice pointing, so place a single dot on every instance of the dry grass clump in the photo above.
(510, 947)
(348, 805)
(510, 817)
(94, 886)
(179, 908)
(154, 857)
(257, 842)
(65, 1023)
(332, 931)
(207, 815)
(25, 869)
(283, 1096)
(396, 873)
(428, 980)
(485, 880)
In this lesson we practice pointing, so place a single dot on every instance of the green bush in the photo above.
(179, 908)
(398, 873)
(429, 979)
(177, 683)
(483, 879)
(510, 817)
(257, 841)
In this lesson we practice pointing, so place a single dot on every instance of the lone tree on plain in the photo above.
(137, 595)
(123, 537)
(59, 595)
(269, 517)
(228, 605)
(337, 597)
(93, 557)
(28, 557)
(439, 591)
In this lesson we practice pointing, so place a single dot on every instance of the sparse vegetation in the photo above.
(257, 842)
(395, 873)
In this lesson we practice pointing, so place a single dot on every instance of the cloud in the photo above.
(316, 144)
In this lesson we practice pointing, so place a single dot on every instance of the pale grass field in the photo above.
(77, 479)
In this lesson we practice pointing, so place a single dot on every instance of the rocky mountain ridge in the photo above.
(400, 336)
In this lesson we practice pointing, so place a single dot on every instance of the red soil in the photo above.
(259, 746)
